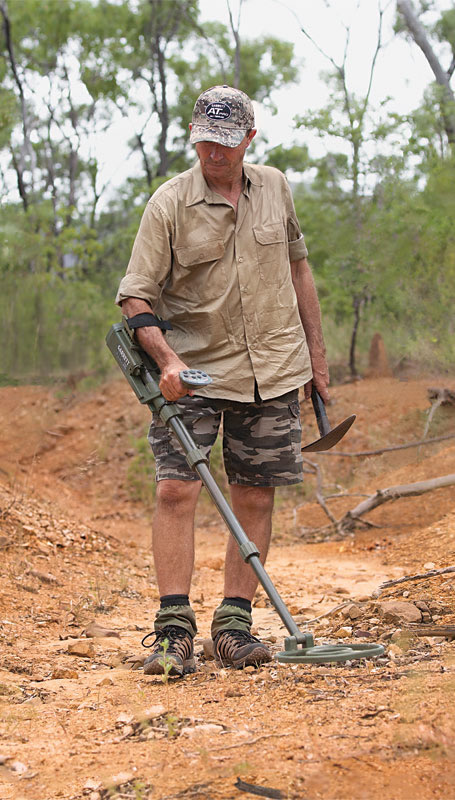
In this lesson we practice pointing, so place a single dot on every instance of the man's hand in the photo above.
(171, 386)
(154, 343)
(320, 379)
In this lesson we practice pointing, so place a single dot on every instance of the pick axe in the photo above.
(329, 436)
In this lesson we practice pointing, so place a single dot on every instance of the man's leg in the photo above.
(234, 644)
(173, 535)
(253, 506)
(173, 552)
(262, 442)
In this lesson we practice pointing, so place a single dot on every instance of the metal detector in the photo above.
(143, 375)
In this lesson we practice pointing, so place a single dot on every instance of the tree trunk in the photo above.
(357, 303)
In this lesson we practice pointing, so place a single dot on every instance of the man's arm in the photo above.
(154, 343)
(310, 314)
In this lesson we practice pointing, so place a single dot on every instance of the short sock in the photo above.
(174, 600)
(239, 602)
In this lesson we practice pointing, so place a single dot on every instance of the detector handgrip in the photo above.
(195, 378)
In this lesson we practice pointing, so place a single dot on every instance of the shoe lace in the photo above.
(174, 635)
(233, 639)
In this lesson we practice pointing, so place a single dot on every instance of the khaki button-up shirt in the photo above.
(223, 280)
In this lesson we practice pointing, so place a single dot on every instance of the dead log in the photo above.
(349, 521)
(446, 631)
(382, 450)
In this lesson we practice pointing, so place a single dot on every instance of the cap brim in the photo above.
(228, 137)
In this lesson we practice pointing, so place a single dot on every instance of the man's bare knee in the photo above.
(181, 493)
(253, 497)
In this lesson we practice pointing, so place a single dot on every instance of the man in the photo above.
(220, 255)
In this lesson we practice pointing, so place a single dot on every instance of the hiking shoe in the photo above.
(178, 652)
(239, 649)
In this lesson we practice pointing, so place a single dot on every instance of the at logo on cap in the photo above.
(218, 111)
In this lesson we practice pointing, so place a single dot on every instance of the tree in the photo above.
(347, 118)
(444, 30)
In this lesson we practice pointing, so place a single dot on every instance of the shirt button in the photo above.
(240, 259)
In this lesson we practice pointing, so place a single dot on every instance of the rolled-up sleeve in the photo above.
(296, 241)
(151, 258)
(297, 249)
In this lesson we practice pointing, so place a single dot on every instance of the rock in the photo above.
(106, 681)
(207, 727)
(62, 673)
(135, 661)
(352, 612)
(342, 633)
(18, 767)
(154, 711)
(394, 650)
(82, 649)
(399, 611)
(93, 785)
(429, 565)
(124, 719)
(208, 649)
(422, 605)
(361, 634)
(96, 631)
(121, 778)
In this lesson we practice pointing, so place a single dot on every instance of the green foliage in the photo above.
(294, 158)
(377, 208)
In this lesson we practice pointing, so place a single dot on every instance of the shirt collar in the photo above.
(199, 190)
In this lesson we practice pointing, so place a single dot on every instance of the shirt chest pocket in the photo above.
(201, 272)
(272, 252)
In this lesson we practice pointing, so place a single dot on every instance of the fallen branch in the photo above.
(386, 449)
(350, 519)
(418, 577)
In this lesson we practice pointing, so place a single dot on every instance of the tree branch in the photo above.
(381, 450)
(420, 576)
(349, 520)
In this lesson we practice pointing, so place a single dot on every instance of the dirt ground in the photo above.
(78, 717)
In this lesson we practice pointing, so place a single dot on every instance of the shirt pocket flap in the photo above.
(200, 253)
(271, 234)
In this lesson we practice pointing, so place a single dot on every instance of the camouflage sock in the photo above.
(228, 617)
(182, 616)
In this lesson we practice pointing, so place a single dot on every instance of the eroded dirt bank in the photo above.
(79, 718)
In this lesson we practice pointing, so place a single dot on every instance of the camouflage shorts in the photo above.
(261, 441)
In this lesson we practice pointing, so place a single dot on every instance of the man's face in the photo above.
(220, 162)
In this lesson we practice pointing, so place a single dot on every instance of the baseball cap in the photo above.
(222, 114)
